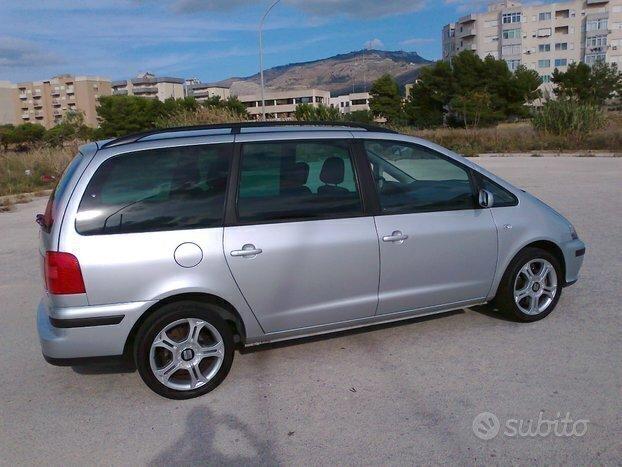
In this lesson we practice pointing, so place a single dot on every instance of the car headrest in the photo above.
(333, 171)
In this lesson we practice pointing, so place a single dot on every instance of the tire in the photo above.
(188, 345)
(516, 279)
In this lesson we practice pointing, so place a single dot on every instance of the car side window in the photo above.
(412, 178)
(502, 197)
(160, 189)
(297, 180)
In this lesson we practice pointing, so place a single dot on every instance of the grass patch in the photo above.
(32, 171)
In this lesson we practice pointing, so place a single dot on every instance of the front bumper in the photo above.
(86, 332)
(574, 253)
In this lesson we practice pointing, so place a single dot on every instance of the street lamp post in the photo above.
(263, 20)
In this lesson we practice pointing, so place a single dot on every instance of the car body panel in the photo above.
(309, 273)
(448, 257)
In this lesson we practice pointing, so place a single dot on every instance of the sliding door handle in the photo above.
(395, 237)
(247, 251)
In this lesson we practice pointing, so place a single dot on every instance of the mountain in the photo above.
(341, 74)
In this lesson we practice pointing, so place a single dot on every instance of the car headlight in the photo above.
(573, 232)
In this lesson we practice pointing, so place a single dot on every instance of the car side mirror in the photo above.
(486, 199)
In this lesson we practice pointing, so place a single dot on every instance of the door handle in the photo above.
(247, 251)
(395, 237)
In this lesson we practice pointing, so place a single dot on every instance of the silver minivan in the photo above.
(174, 247)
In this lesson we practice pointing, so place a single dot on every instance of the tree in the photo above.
(470, 91)
(321, 113)
(121, 115)
(590, 85)
(28, 133)
(359, 116)
(386, 101)
(232, 104)
(7, 135)
(71, 128)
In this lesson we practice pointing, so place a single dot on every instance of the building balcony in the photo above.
(25, 116)
(23, 96)
(39, 114)
(596, 2)
(468, 18)
(145, 90)
(466, 32)
(69, 90)
(57, 112)
(55, 92)
(119, 92)
(37, 103)
(55, 102)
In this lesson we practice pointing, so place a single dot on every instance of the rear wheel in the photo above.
(184, 350)
(531, 285)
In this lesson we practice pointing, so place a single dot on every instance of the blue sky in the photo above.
(208, 39)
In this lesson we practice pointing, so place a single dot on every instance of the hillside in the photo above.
(340, 74)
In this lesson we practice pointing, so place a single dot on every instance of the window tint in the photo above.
(502, 197)
(411, 178)
(160, 189)
(296, 180)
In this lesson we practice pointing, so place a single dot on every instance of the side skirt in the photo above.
(358, 323)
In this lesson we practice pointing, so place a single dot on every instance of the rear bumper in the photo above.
(574, 253)
(86, 332)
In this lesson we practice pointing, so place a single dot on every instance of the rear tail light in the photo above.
(62, 274)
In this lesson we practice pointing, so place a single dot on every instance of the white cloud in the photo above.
(374, 44)
(16, 53)
(350, 8)
(417, 41)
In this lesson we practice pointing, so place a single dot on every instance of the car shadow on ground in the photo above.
(204, 429)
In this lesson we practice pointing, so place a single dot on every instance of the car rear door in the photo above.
(437, 247)
(298, 240)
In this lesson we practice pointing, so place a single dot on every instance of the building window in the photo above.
(561, 62)
(511, 34)
(561, 46)
(545, 78)
(591, 59)
(513, 64)
(561, 30)
(596, 24)
(509, 18)
(546, 16)
(544, 63)
(544, 48)
(596, 41)
(561, 14)
(515, 49)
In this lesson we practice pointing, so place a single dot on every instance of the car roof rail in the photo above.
(237, 128)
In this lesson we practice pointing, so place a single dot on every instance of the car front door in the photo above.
(437, 247)
(301, 248)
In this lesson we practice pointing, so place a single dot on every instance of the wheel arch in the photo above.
(227, 311)
(544, 244)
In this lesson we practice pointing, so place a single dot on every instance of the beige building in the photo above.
(46, 102)
(150, 86)
(8, 103)
(542, 37)
(281, 105)
(352, 102)
(202, 92)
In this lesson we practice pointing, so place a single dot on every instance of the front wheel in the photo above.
(184, 350)
(531, 285)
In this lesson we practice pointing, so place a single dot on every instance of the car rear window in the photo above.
(156, 190)
(48, 218)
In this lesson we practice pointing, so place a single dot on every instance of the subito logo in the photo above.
(486, 425)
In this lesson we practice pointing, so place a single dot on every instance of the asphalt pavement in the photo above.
(401, 394)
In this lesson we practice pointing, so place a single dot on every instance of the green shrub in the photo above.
(568, 117)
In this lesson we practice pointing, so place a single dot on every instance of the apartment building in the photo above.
(281, 105)
(352, 102)
(150, 86)
(202, 91)
(46, 102)
(542, 37)
(8, 103)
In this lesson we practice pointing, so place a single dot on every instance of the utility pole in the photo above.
(263, 92)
